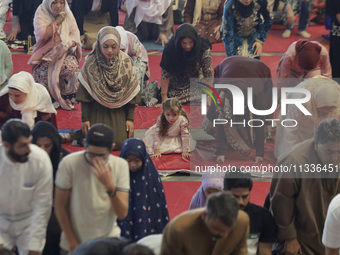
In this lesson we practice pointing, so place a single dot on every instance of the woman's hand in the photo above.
(163, 38)
(258, 48)
(60, 18)
(85, 126)
(12, 36)
(129, 128)
(217, 32)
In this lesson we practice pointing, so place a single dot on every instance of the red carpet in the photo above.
(275, 42)
(179, 195)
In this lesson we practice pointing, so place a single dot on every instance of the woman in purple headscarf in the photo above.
(209, 186)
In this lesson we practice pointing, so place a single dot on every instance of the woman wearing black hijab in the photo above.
(186, 55)
(46, 136)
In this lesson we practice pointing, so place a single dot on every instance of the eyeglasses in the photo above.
(93, 155)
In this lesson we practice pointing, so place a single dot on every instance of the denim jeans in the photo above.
(304, 16)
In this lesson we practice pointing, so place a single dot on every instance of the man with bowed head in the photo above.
(300, 199)
(92, 190)
(219, 228)
(25, 190)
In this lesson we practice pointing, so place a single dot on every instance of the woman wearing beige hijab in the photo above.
(109, 88)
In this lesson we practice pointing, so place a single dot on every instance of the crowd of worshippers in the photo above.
(92, 202)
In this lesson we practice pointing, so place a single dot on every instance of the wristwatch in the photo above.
(112, 193)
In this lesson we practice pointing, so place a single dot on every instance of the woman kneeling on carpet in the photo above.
(109, 88)
(24, 99)
(57, 53)
(148, 212)
(171, 133)
(186, 55)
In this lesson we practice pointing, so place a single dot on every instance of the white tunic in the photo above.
(26, 197)
(90, 208)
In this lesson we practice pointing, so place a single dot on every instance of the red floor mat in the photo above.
(275, 42)
(179, 195)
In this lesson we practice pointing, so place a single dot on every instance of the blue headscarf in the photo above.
(148, 212)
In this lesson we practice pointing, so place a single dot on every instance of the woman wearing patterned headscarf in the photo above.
(109, 88)
(24, 99)
(57, 53)
(148, 212)
(186, 55)
(303, 59)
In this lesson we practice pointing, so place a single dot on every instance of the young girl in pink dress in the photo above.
(171, 133)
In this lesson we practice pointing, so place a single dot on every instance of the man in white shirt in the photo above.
(92, 191)
(25, 190)
(331, 231)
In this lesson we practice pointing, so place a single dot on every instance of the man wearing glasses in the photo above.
(262, 232)
(91, 191)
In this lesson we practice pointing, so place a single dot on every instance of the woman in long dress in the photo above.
(135, 49)
(245, 26)
(57, 53)
(187, 55)
(109, 88)
(206, 17)
(148, 212)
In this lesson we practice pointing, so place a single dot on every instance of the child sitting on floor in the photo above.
(171, 133)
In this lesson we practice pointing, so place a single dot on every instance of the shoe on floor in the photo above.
(286, 33)
(304, 34)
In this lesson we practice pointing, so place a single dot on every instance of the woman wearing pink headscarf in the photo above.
(303, 59)
(57, 53)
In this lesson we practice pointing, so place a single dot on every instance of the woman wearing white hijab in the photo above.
(324, 103)
(57, 53)
(24, 99)
(133, 48)
(150, 19)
